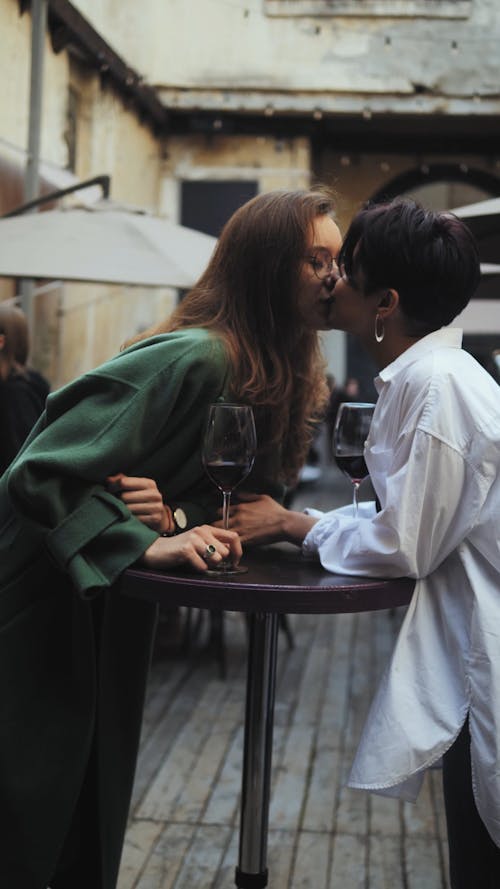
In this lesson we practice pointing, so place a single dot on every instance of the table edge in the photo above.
(345, 594)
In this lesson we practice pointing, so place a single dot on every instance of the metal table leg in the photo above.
(251, 872)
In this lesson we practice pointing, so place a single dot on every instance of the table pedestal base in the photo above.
(279, 582)
(251, 872)
(250, 881)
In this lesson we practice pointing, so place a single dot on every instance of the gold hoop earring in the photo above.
(379, 333)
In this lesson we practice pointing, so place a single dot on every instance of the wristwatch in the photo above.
(180, 518)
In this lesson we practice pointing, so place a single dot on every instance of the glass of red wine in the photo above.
(349, 435)
(229, 449)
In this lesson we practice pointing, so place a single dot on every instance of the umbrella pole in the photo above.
(31, 182)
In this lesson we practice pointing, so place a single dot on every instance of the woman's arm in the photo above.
(144, 500)
(421, 521)
(200, 548)
(128, 413)
(260, 519)
(142, 497)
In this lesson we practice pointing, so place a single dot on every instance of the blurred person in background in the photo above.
(23, 391)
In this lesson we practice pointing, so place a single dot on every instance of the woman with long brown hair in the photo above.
(264, 295)
(79, 651)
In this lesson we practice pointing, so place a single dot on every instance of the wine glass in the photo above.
(349, 435)
(228, 455)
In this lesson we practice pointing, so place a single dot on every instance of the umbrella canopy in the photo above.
(483, 218)
(103, 242)
(490, 268)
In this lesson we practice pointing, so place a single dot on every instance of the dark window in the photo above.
(206, 206)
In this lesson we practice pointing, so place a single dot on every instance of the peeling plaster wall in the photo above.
(273, 163)
(214, 53)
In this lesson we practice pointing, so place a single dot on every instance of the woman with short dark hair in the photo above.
(433, 454)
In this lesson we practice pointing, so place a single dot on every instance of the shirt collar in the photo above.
(450, 337)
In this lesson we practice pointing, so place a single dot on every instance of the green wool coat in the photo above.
(74, 653)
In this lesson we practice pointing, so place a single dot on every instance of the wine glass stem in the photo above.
(225, 508)
(355, 498)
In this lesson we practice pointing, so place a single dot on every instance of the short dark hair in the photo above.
(431, 258)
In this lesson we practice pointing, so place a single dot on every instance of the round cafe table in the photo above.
(279, 581)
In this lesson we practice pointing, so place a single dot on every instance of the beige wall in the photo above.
(393, 56)
(273, 163)
(14, 75)
(111, 139)
(15, 80)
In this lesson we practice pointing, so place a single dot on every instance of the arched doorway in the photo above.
(441, 186)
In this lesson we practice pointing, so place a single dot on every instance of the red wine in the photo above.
(227, 475)
(353, 466)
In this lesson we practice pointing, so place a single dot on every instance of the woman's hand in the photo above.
(144, 500)
(259, 518)
(201, 548)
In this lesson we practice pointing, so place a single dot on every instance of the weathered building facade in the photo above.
(385, 96)
(92, 123)
(372, 97)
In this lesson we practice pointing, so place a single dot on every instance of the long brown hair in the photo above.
(248, 295)
(14, 326)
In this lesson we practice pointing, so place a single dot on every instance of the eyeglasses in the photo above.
(323, 264)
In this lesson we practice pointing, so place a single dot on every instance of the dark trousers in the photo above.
(474, 857)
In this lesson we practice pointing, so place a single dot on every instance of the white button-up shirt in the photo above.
(433, 454)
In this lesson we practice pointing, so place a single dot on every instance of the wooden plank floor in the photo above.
(183, 826)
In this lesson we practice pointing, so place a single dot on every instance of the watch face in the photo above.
(180, 518)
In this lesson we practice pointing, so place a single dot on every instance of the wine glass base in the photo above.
(226, 570)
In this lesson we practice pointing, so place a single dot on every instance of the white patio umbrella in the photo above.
(483, 217)
(490, 268)
(103, 242)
